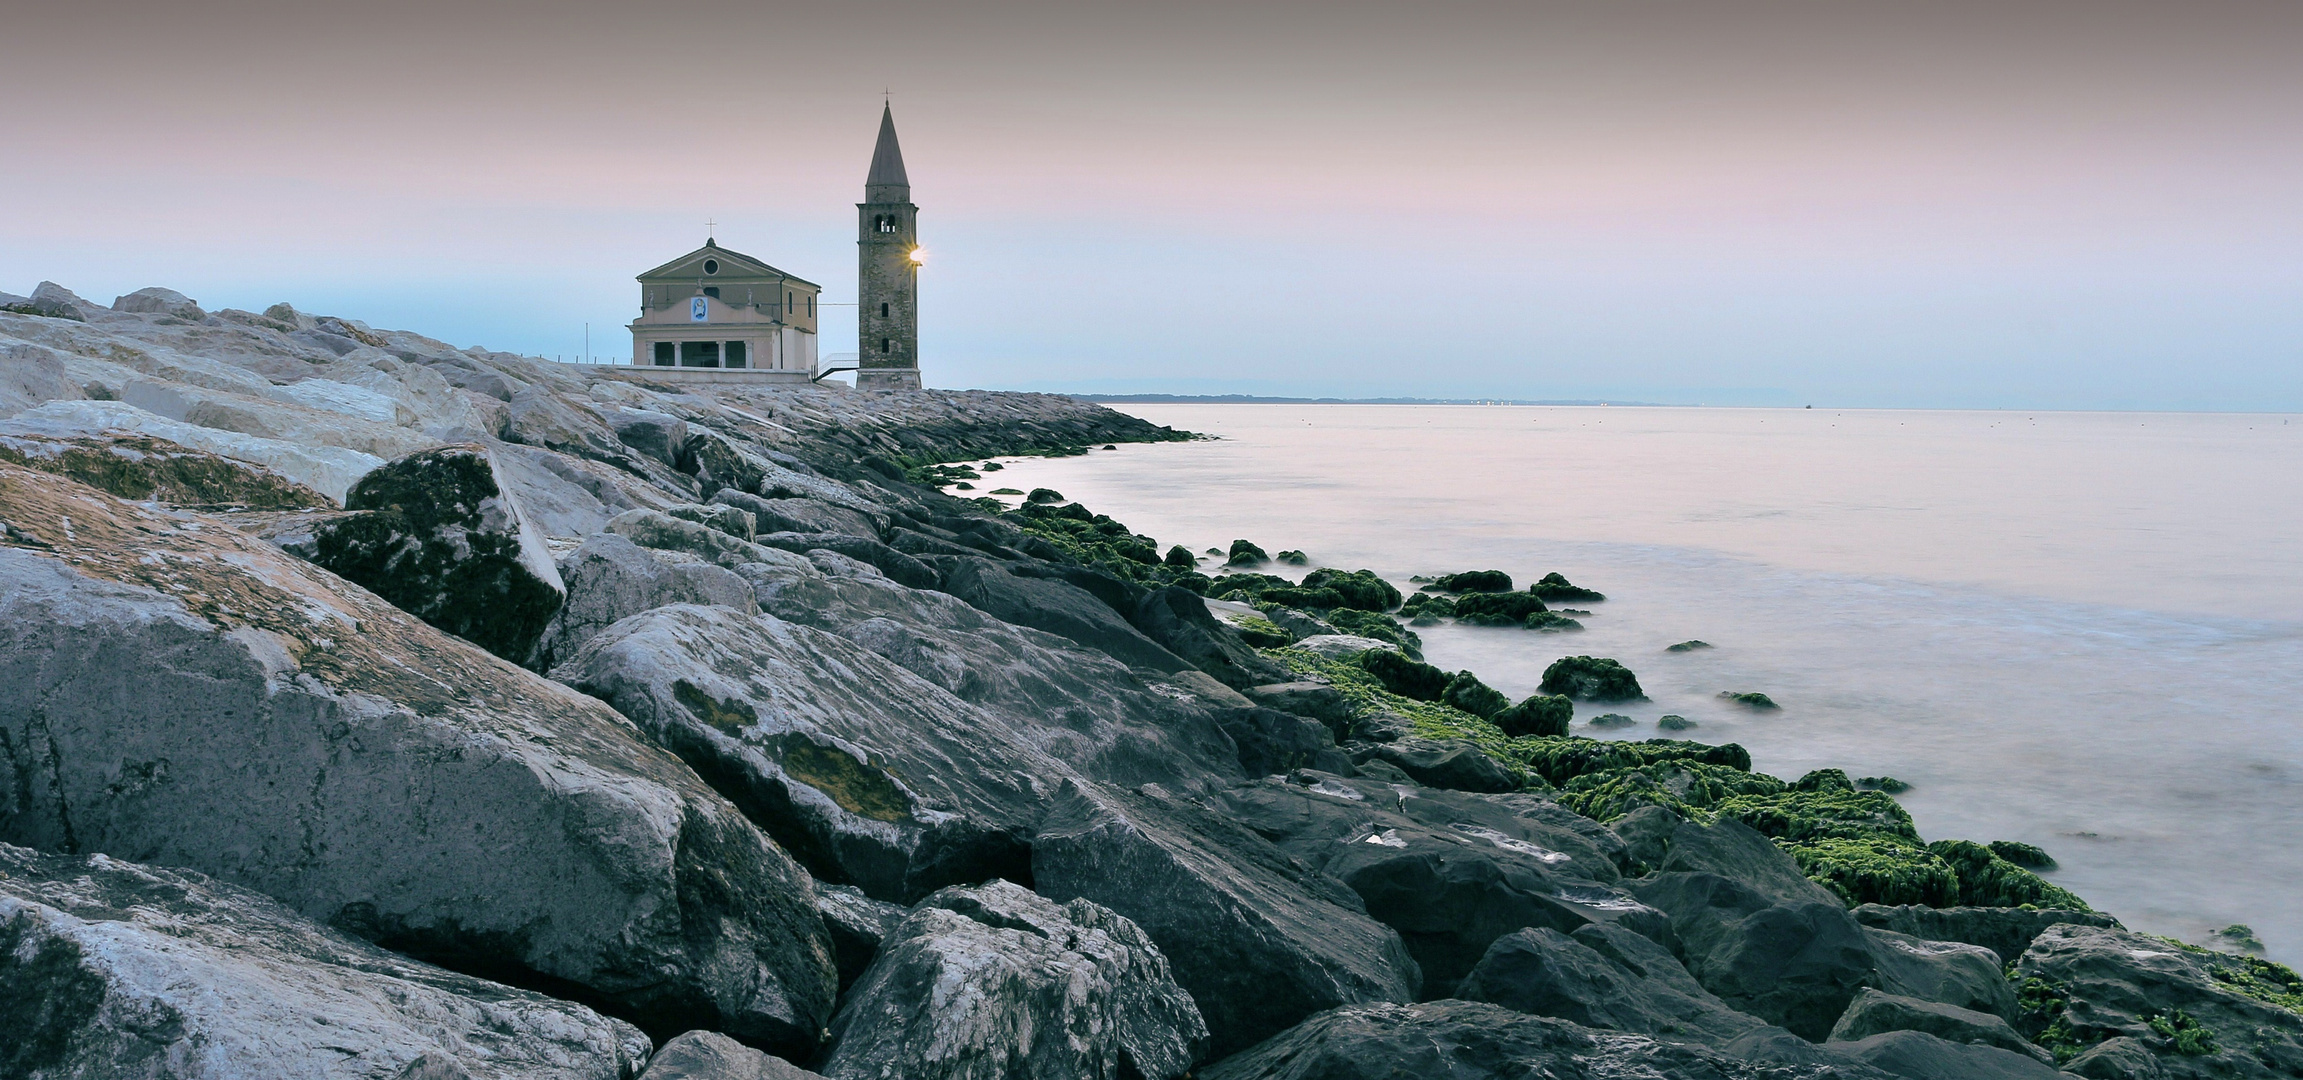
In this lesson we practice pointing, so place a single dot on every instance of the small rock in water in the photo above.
(1475, 581)
(1752, 700)
(1245, 554)
(1611, 720)
(1590, 678)
(1215, 551)
(1007, 491)
(1888, 784)
(1109, 446)
(1675, 722)
(2234, 936)
(1045, 495)
(1555, 586)
(992, 466)
(2024, 855)
(1180, 557)
(1293, 558)
(1541, 715)
(964, 486)
(1550, 622)
(1690, 645)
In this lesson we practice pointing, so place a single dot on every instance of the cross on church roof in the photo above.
(711, 230)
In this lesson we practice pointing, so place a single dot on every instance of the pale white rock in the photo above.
(330, 470)
(1342, 646)
(127, 970)
(357, 402)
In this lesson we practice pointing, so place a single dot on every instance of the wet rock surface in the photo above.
(1054, 991)
(108, 968)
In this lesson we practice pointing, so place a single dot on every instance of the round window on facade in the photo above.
(711, 266)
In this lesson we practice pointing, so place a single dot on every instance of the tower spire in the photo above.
(887, 183)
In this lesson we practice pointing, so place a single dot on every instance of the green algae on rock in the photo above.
(1586, 678)
(1555, 587)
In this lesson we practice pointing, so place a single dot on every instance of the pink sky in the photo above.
(2074, 205)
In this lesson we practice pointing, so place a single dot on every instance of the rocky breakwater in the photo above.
(448, 713)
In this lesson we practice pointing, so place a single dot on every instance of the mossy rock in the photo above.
(140, 467)
(1372, 624)
(1405, 677)
(1690, 645)
(1824, 780)
(1556, 588)
(1607, 721)
(1293, 558)
(1473, 581)
(1550, 622)
(1888, 784)
(1799, 816)
(1245, 554)
(1675, 722)
(1877, 870)
(1428, 604)
(1538, 716)
(1497, 609)
(1360, 589)
(1180, 558)
(1754, 701)
(1986, 880)
(2024, 855)
(1562, 758)
(1306, 599)
(1044, 495)
(1687, 788)
(1466, 692)
(1263, 633)
(1588, 678)
(1007, 491)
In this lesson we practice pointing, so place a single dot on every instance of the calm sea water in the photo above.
(2083, 631)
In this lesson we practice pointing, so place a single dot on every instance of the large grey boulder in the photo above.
(1606, 977)
(869, 774)
(174, 692)
(139, 467)
(158, 301)
(858, 924)
(443, 540)
(2106, 985)
(1472, 1040)
(898, 566)
(1178, 619)
(800, 515)
(2005, 931)
(996, 983)
(610, 578)
(1451, 872)
(709, 1055)
(1260, 940)
(1873, 1013)
(660, 436)
(1076, 703)
(1057, 607)
(1442, 763)
(1916, 1055)
(1755, 931)
(57, 302)
(108, 968)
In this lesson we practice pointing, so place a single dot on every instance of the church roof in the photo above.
(887, 162)
(736, 265)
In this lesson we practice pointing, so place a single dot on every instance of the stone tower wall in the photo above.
(888, 280)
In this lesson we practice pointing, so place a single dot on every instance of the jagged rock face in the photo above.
(611, 578)
(1603, 976)
(871, 775)
(858, 925)
(1875, 1013)
(139, 467)
(1075, 703)
(2110, 984)
(1470, 1040)
(1460, 872)
(1045, 992)
(113, 969)
(443, 541)
(2005, 931)
(1915, 1055)
(177, 693)
(1057, 607)
(1756, 932)
(1442, 763)
(709, 1055)
(1260, 940)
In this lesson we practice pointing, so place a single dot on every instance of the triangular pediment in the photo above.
(733, 265)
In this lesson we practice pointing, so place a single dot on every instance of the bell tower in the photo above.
(887, 271)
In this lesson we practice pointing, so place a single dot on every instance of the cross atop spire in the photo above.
(887, 183)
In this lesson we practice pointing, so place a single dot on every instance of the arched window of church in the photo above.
(883, 311)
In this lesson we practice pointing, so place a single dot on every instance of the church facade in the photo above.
(716, 308)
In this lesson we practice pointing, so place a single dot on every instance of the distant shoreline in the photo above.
(1251, 399)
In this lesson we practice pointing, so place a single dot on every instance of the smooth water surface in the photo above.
(2083, 631)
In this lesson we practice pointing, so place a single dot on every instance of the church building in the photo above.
(716, 308)
(713, 313)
